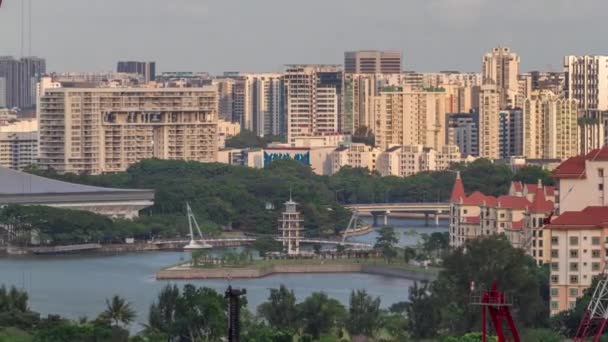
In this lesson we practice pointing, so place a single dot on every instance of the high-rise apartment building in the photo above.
(501, 68)
(313, 100)
(19, 144)
(489, 122)
(20, 78)
(268, 104)
(145, 69)
(587, 81)
(404, 161)
(3, 92)
(95, 130)
(409, 117)
(463, 131)
(372, 62)
(550, 126)
(510, 133)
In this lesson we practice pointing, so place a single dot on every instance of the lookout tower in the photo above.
(290, 227)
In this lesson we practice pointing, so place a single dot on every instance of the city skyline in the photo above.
(432, 35)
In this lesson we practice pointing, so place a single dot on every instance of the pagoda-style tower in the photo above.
(290, 227)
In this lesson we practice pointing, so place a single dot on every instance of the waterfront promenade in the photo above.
(263, 268)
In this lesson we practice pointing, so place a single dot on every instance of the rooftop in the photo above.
(574, 167)
(588, 218)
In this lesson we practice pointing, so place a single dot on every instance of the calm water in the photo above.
(76, 286)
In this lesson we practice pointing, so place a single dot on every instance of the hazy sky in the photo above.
(263, 35)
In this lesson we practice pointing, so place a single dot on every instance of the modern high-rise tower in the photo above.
(20, 78)
(146, 69)
(501, 68)
(313, 99)
(372, 62)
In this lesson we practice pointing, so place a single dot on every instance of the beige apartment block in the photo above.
(314, 100)
(578, 254)
(19, 144)
(96, 130)
(405, 161)
(550, 126)
(501, 68)
(489, 108)
(587, 81)
(356, 155)
(409, 117)
(583, 181)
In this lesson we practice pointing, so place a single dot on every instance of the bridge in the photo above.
(229, 242)
(384, 209)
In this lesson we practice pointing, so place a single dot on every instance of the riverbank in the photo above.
(264, 268)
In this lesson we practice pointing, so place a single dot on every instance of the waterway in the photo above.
(77, 286)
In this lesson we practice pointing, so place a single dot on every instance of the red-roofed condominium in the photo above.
(520, 215)
(579, 234)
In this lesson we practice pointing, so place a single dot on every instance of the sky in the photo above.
(264, 35)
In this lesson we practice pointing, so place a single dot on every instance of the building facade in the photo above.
(550, 126)
(20, 78)
(313, 100)
(19, 144)
(463, 131)
(96, 130)
(354, 155)
(510, 133)
(372, 62)
(489, 122)
(587, 81)
(408, 118)
(146, 69)
(404, 161)
(501, 68)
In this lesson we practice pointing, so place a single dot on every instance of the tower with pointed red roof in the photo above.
(458, 189)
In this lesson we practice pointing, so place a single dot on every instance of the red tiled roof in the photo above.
(477, 198)
(457, 190)
(550, 190)
(472, 219)
(513, 202)
(517, 186)
(574, 167)
(540, 203)
(590, 217)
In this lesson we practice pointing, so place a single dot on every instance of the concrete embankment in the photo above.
(177, 273)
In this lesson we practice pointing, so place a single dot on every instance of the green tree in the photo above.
(280, 310)
(470, 337)
(542, 335)
(363, 314)
(422, 312)
(194, 314)
(530, 174)
(319, 314)
(409, 253)
(485, 261)
(435, 243)
(245, 139)
(118, 311)
(386, 242)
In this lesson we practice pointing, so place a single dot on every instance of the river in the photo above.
(76, 286)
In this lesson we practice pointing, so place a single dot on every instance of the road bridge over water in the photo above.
(230, 242)
(385, 209)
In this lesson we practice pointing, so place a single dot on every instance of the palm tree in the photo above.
(118, 311)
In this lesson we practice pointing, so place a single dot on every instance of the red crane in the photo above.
(498, 305)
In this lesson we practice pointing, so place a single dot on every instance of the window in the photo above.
(554, 240)
(540, 253)
(502, 215)
(554, 266)
(554, 253)
(574, 266)
(595, 240)
(595, 266)
(554, 292)
(600, 173)
(573, 292)
(595, 253)
(540, 243)
(554, 279)
(573, 279)
(554, 305)
(572, 304)
(574, 253)
(600, 187)
(574, 240)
